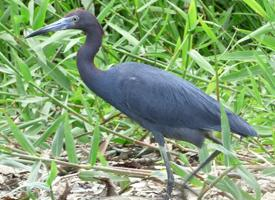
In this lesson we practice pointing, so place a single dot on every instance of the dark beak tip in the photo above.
(62, 24)
(30, 35)
(34, 33)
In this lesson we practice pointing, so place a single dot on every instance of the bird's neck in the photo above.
(91, 76)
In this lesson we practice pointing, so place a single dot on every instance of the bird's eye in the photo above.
(75, 18)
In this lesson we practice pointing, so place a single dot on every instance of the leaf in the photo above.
(240, 101)
(192, 14)
(243, 56)
(31, 100)
(201, 61)
(258, 32)
(31, 11)
(225, 128)
(20, 85)
(146, 5)
(69, 140)
(49, 68)
(57, 37)
(252, 182)
(19, 2)
(95, 145)
(179, 10)
(34, 45)
(34, 185)
(188, 36)
(91, 175)
(53, 174)
(179, 170)
(24, 69)
(273, 142)
(20, 137)
(49, 131)
(255, 89)
(34, 172)
(57, 75)
(229, 186)
(208, 30)
(203, 155)
(266, 71)
(131, 39)
(242, 74)
(88, 5)
(106, 11)
(40, 17)
(267, 41)
(57, 143)
(8, 38)
(71, 43)
(256, 7)
(11, 161)
(270, 171)
(88, 109)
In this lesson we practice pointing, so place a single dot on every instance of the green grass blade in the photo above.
(179, 10)
(229, 186)
(69, 140)
(57, 144)
(21, 139)
(192, 14)
(208, 30)
(53, 173)
(34, 175)
(131, 39)
(49, 131)
(201, 61)
(106, 11)
(23, 68)
(40, 17)
(225, 133)
(258, 32)
(250, 180)
(254, 5)
(203, 155)
(94, 145)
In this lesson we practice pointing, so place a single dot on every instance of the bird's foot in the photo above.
(167, 197)
(169, 188)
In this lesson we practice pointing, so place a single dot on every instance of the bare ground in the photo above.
(69, 186)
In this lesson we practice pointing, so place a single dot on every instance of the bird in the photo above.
(160, 101)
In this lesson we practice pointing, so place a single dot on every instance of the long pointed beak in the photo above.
(62, 24)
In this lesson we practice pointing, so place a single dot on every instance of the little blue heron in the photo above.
(159, 101)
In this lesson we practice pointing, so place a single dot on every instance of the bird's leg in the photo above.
(170, 176)
(165, 156)
(202, 165)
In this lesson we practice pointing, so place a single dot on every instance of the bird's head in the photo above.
(79, 19)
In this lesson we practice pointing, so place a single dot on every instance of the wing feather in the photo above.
(165, 99)
(162, 98)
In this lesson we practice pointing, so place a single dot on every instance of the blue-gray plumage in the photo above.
(163, 102)
(158, 100)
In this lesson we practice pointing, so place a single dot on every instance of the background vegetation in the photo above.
(226, 48)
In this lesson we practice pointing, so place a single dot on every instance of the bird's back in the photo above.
(160, 100)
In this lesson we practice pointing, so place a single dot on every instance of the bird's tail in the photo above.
(240, 126)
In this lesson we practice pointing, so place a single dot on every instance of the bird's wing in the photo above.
(162, 98)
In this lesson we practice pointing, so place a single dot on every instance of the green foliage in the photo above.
(44, 104)
(53, 173)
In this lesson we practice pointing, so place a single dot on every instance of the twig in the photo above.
(118, 170)
(181, 147)
(208, 187)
